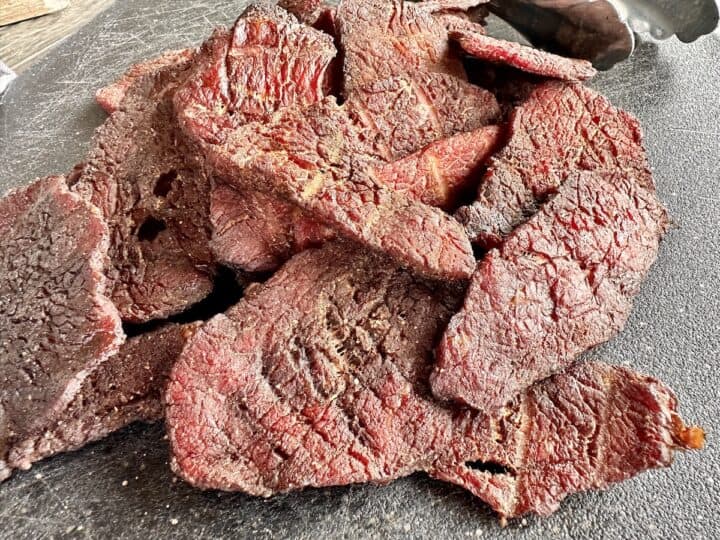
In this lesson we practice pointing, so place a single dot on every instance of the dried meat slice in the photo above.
(319, 378)
(561, 283)
(56, 324)
(524, 58)
(111, 96)
(128, 387)
(267, 61)
(316, 159)
(149, 184)
(559, 128)
(381, 39)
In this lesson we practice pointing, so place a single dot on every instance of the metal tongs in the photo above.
(603, 31)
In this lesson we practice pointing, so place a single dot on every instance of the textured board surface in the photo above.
(122, 487)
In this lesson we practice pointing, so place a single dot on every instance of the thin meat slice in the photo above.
(317, 159)
(307, 11)
(524, 58)
(438, 173)
(267, 61)
(56, 324)
(148, 182)
(319, 378)
(381, 39)
(128, 387)
(559, 128)
(110, 97)
(560, 284)
(256, 232)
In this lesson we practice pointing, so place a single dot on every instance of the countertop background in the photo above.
(122, 488)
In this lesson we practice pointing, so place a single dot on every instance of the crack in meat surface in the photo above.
(560, 284)
(56, 324)
(319, 378)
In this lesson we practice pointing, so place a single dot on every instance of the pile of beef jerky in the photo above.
(430, 226)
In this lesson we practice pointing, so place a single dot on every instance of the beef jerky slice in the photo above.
(109, 97)
(307, 11)
(267, 61)
(560, 128)
(319, 378)
(56, 325)
(521, 57)
(381, 39)
(560, 284)
(129, 387)
(148, 184)
(313, 158)
(255, 232)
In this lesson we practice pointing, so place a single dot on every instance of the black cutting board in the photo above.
(122, 487)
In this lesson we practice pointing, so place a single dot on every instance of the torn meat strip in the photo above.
(316, 159)
(267, 61)
(256, 232)
(381, 39)
(521, 57)
(128, 387)
(560, 284)
(149, 185)
(560, 128)
(319, 378)
(109, 97)
(307, 11)
(56, 325)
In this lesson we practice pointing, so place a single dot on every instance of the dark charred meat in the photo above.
(560, 284)
(128, 387)
(56, 325)
(148, 183)
(381, 39)
(110, 97)
(319, 378)
(560, 128)
(524, 58)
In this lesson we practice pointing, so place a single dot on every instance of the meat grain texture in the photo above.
(319, 378)
(56, 324)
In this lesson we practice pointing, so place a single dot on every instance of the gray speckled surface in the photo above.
(45, 124)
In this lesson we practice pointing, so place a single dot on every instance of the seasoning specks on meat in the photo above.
(56, 325)
(319, 378)
(560, 284)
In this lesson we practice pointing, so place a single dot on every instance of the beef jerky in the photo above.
(381, 39)
(56, 324)
(110, 97)
(148, 183)
(521, 57)
(268, 60)
(560, 128)
(307, 11)
(560, 284)
(128, 387)
(315, 159)
(319, 378)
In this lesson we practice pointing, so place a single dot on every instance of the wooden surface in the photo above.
(24, 42)
(12, 11)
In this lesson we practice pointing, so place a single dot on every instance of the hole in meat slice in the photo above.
(150, 229)
(165, 183)
(491, 467)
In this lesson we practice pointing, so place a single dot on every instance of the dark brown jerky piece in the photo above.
(307, 11)
(381, 39)
(319, 378)
(524, 58)
(560, 284)
(56, 325)
(148, 184)
(560, 128)
(267, 61)
(128, 387)
(316, 159)
(109, 97)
